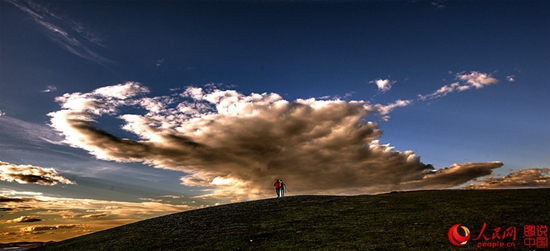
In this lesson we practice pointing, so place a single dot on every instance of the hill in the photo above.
(397, 221)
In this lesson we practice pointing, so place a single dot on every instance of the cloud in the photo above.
(24, 219)
(384, 85)
(511, 78)
(477, 79)
(236, 144)
(63, 212)
(90, 208)
(17, 200)
(39, 228)
(523, 178)
(68, 214)
(159, 62)
(454, 175)
(151, 199)
(94, 215)
(35, 134)
(438, 5)
(65, 32)
(49, 88)
(172, 196)
(465, 82)
(26, 174)
(384, 110)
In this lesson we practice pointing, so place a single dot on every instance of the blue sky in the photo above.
(442, 82)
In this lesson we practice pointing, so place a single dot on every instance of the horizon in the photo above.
(115, 112)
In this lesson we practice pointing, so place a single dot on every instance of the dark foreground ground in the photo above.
(396, 221)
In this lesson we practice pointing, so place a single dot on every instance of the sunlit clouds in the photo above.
(523, 178)
(24, 219)
(27, 174)
(34, 216)
(113, 112)
(234, 144)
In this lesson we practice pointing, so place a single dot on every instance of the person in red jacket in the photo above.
(277, 186)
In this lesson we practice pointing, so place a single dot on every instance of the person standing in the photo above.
(277, 186)
(283, 188)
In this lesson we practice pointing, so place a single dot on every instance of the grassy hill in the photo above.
(396, 221)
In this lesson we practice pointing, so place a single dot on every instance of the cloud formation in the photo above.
(26, 174)
(24, 219)
(65, 32)
(523, 178)
(37, 229)
(384, 85)
(35, 134)
(465, 82)
(438, 5)
(49, 88)
(58, 215)
(238, 144)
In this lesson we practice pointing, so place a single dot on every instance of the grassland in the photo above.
(396, 221)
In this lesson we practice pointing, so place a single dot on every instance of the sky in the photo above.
(118, 111)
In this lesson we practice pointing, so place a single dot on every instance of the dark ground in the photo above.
(397, 221)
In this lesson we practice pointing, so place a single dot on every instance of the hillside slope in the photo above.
(397, 221)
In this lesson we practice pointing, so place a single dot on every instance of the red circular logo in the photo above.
(455, 238)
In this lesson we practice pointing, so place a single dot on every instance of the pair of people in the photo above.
(280, 188)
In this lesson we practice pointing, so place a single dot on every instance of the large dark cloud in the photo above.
(26, 174)
(239, 144)
(454, 175)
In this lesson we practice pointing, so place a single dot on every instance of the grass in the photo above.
(396, 221)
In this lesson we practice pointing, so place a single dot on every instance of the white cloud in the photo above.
(151, 199)
(121, 91)
(438, 5)
(159, 62)
(49, 88)
(65, 32)
(102, 100)
(465, 82)
(238, 144)
(172, 196)
(477, 79)
(384, 85)
(386, 109)
(30, 131)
